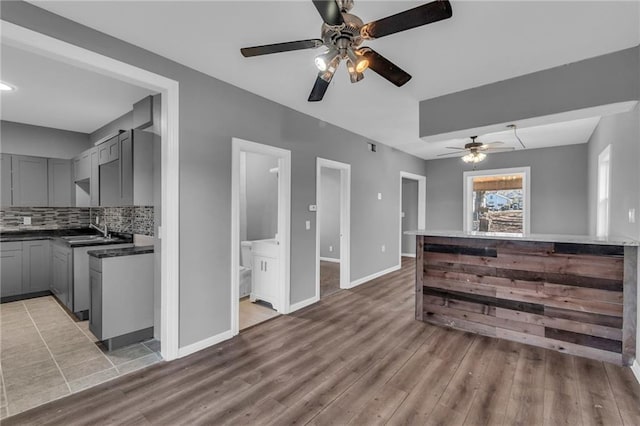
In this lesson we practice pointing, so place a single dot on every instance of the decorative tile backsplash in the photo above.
(132, 220)
(11, 218)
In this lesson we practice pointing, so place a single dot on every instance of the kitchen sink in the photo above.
(88, 239)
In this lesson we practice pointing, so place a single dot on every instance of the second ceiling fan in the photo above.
(343, 33)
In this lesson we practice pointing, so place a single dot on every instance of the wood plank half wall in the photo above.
(573, 298)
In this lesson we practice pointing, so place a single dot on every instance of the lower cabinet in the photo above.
(11, 268)
(62, 273)
(25, 267)
(265, 272)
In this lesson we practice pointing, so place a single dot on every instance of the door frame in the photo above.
(284, 224)
(42, 44)
(422, 205)
(345, 220)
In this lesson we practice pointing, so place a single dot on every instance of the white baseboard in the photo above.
(363, 280)
(303, 304)
(205, 343)
(330, 259)
(408, 254)
(635, 368)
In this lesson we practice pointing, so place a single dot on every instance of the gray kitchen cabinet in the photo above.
(109, 151)
(121, 298)
(60, 183)
(29, 181)
(36, 266)
(10, 268)
(94, 192)
(82, 166)
(129, 180)
(62, 273)
(5, 176)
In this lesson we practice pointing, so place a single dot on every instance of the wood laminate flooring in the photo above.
(359, 357)
(329, 278)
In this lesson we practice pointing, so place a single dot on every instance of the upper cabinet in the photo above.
(82, 166)
(109, 151)
(60, 193)
(5, 176)
(29, 181)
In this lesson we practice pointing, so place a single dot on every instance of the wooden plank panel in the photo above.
(491, 301)
(589, 318)
(589, 282)
(630, 304)
(485, 319)
(463, 242)
(595, 398)
(456, 249)
(560, 323)
(531, 248)
(460, 286)
(584, 340)
(559, 346)
(459, 324)
(419, 276)
(569, 303)
(590, 249)
(484, 279)
(582, 293)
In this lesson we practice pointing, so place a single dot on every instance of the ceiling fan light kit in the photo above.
(343, 33)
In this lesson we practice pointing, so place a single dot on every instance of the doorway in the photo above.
(260, 251)
(604, 187)
(413, 195)
(333, 203)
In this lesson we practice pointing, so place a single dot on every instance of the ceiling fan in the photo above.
(343, 33)
(476, 151)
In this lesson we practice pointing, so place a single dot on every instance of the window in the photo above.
(497, 201)
(604, 185)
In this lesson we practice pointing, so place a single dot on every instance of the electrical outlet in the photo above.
(383, 248)
(307, 224)
(632, 215)
(26, 220)
(379, 195)
(330, 248)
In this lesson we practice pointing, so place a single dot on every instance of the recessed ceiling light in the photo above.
(4, 87)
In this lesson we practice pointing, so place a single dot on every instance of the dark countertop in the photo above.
(56, 234)
(127, 251)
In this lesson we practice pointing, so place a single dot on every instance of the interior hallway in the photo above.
(359, 357)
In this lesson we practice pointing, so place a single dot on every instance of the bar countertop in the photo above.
(555, 238)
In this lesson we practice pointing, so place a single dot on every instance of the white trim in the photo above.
(330, 259)
(635, 369)
(422, 206)
(408, 255)
(303, 304)
(284, 224)
(468, 193)
(169, 89)
(205, 343)
(373, 276)
(603, 193)
(345, 220)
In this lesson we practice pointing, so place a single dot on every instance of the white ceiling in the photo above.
(54, 94)
(484, 42)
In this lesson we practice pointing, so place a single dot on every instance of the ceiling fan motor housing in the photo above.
(350, 32)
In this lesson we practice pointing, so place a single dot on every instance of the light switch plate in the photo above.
(379, 195)
(383, 248)
(632, 215)
(307, 224)
(26, 220)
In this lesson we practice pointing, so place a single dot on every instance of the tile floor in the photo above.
(329, 278)
(45, 355)
(254, 313)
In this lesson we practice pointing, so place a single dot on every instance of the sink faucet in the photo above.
(104, 231)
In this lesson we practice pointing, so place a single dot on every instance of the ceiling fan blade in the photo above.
(384, 67)
(493, 143)
(451, 153)
(330, 11)
(498, 149)
(319, 88)
(459, 148)
(280, 47)
(412, 18)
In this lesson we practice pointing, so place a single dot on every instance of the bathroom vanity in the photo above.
(265, 271)
(566, 293)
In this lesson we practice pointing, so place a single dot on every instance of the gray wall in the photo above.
(622, 132)
(593, 82)
(261, 197)
(330, 217)
(211, 114)
(559, 196)
(410, 219)
(25, 139)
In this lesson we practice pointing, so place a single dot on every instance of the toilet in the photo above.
(245, 268)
